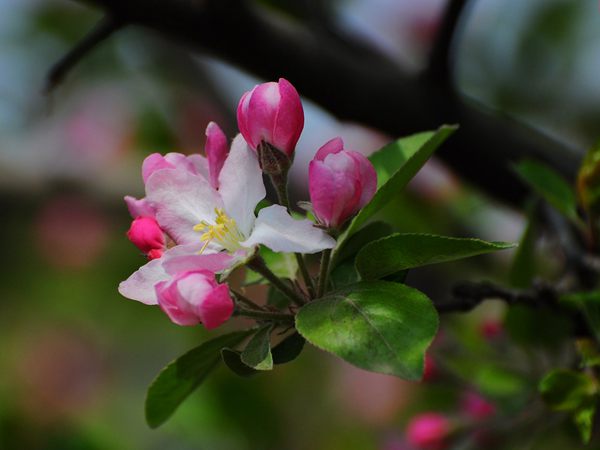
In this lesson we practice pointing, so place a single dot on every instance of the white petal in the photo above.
(181, 200)
(276, 229)
(241, 184)
(140, 285)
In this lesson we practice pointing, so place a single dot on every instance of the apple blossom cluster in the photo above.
(198, 220)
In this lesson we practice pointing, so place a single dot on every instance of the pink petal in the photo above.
(216, 152)
(262, 110)
(367, 176)
(140, 285)
(152, 163)
(289, 120)
(242, 118)
(146, 235)
(139, 208)
(215, 262)
(216, 308)
(335, 145)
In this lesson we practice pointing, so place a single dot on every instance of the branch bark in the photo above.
(368, 89)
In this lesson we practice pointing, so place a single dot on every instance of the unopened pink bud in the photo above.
(146, 234)
(190, 298)
(428, 431)
(216, 152)
(477, 407)
(271, 112)
(340, 182)
(430, 370)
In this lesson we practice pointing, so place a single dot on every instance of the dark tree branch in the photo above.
(372, 91)
(440, 65)
(101, 31)
(466, 296)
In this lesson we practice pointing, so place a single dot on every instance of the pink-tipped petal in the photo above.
(242, 118)
(262, 109)
(367, 177)
(140, 285)
(335, 145)
(289, 121)
(190, 298)
(213, 262)
(182, 200)
(138, 208)
(152, 163)
(216, 152)
(216, 308)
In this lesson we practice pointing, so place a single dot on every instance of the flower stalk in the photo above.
(324, 272)
(265, 315)
(258, 265)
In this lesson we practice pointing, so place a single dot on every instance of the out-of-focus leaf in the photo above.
(550, 186)
(378, 326)
(523, 267)
(257, 353)
(589, 304)
(402, 251)
(588, 187)
(584, 420)
(396, 164)
(588, 350)
(566, 390)
(537, 327)
(498, 382)
(233, 360)
(182, 376)
(284, 265)
(288, 349)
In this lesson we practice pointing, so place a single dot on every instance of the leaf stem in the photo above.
(258, 265)
(324, 272)
(265, 315)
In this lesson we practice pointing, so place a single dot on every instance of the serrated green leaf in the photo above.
(257, 353)
(233, 360)
(550, 186)
(378, 326)
(396, 164)
(288, 349)
(284, 265)
(402, 251)
(566, 390)
(181, 377)
(358, 240)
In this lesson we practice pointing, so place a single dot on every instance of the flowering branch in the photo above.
(376, 94)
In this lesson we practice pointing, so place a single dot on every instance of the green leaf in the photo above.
(277, 299)
(550, 186)
(378, 326)
(182, 376)
(288, 349)
(358, 240)
(396, 164)
(233, 360)
(539, 327)
(257, 353)
(566, 390)
(589, 304)
(344, 274)
(523, 267)
(588, 350)
(402, 251)
(584, 420)
(284, 265)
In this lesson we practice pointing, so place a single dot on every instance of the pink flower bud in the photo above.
(190, 298)
(430, 370)
(428, 431)
(146, 234)
(271, 112)
(340, 183)
(477, 407)
(491, 329)
(216, 152)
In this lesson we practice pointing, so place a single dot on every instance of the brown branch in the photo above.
(101, 31)
(372, 91)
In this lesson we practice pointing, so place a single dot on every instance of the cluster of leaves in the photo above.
(367, 315)
(573, 390)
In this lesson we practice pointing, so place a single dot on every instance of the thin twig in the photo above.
(102, 30)
(243, 299)
(258, 265)
(266, 315)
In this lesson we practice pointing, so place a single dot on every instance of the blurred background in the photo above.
(76, 358)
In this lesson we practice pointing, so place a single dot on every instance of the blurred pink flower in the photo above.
(428, 431)
(71, 232)
(477, 407)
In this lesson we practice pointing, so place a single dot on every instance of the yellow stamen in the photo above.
(224, 231)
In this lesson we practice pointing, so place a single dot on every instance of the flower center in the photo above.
(224, 231)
